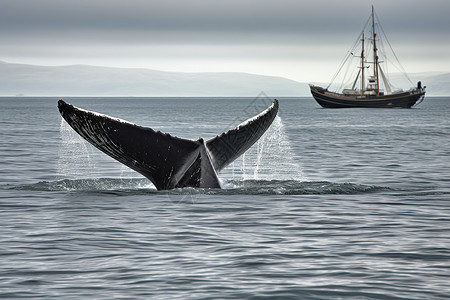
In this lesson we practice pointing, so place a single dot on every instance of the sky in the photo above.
(300, 40)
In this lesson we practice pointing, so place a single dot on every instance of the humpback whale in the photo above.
(167, 161)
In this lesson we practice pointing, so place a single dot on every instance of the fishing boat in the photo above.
(366, 89)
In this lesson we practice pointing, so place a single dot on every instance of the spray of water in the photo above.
(74, 154)
(271, 158)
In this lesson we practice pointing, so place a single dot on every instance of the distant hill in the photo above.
(82, 80)
(438, 84)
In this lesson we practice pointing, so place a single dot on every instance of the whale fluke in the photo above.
(167, 161)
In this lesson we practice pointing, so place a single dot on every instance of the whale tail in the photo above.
(167, 161)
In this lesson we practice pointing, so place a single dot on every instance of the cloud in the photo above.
(191, 31)
(241, 16)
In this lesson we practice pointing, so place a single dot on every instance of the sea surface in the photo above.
(329, 204)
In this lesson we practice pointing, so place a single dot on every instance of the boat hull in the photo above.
(333, 100)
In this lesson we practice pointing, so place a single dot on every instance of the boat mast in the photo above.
(375, 56)
(362, 65)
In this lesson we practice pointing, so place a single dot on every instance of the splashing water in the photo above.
(74, 154)
(271, 158)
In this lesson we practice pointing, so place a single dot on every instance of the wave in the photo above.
(293, 187)
(229, 187)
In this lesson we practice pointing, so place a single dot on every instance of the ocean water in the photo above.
(329, 204)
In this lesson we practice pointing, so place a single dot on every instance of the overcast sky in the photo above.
(300, 40)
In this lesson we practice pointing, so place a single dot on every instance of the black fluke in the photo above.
(167, 161)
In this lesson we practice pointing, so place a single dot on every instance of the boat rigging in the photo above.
(370, 93)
